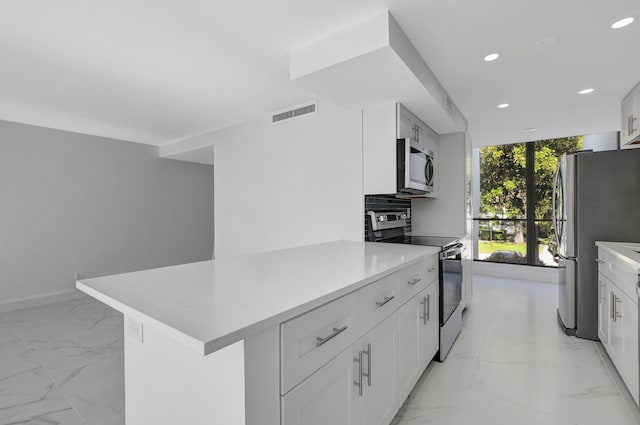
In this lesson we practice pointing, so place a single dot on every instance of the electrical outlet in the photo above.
(134, 329)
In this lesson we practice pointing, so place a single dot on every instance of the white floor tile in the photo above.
(62, 364)
(512, 364)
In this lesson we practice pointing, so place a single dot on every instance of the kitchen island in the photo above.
(225, 341)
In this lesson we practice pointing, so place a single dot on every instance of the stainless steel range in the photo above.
(388, 226)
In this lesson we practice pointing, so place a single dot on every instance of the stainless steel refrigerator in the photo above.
(596, 197)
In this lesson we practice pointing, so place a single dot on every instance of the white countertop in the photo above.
(627, 251)
(211, 304)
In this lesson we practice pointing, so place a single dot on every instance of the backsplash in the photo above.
(386, 203)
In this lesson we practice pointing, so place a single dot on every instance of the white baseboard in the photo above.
(513, 271)
(38, 300)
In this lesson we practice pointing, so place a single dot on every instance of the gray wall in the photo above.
(76, 203)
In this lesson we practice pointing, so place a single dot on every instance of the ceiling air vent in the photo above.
(294, 112)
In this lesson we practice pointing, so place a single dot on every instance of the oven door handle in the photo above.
(449, 254)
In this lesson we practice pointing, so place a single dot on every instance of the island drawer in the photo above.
(415, 278)
(381, 298)
(309, 341)
(431, 269)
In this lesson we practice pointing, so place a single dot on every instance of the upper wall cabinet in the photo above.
(630, 126)
(381, 127)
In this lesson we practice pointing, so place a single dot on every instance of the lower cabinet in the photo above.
(357, 387)
(418, 337)
(603, 309)
(377, 374)
(326, 397)
(622, 344)
(618, 316)
(430, 335)
(366, 383)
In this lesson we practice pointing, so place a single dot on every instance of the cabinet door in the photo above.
(629, 125)
(379, 402)
(326, 397)
(603, 310)
(410, 328)
(614, 330)
(430, 330)
(627, 321)
(405, 122)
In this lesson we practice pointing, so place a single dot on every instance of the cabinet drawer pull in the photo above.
(430, 269)
(359, 382)
(428, 306)
(414, 281)
(368, 374)
(616, 315)
(386, 300)
(336, 332)
(599, 261)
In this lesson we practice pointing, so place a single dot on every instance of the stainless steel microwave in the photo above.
(415, 167)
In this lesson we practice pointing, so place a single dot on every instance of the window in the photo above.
(516, 185)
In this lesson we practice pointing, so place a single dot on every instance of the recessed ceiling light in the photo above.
(529, 130)
(586, 91)
(491, 57)
(622, 23)
(503, 105)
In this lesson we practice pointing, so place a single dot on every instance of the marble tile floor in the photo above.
(63, 364)
(512, 365)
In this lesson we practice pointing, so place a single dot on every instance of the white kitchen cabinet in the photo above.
(406, 123)
(412, 127)
(622, 346)
(430, 335)
(377, 301)
(358, 387)
(381, 126)
(604, 303)
(326, 397)
(379, 401)
(367, 382)
(418, 337)
(627, 320)
(410, 328)
(618, 316)
(630, 125)
(312, 339)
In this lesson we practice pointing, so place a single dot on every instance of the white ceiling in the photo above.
(159, 71)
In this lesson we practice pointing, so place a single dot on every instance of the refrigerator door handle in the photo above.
(554, 207)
